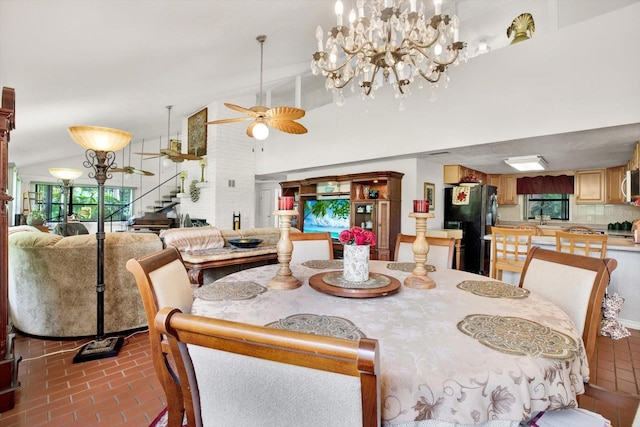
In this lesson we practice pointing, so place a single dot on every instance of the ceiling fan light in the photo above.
(166, 162)
(260, 131)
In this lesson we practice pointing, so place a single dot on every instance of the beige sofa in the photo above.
(207, 254)
(52, 282)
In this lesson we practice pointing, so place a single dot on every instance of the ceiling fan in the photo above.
(173, 153)
(131, 169)
(281, 118)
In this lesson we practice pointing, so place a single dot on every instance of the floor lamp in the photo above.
(101, 144)
(65, 178)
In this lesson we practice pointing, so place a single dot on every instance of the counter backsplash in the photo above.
(596, 216)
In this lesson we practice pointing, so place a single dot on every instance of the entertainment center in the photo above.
(370, 200)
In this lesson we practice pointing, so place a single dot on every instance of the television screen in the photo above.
(326, 215)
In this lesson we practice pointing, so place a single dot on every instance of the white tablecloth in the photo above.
(430, 369)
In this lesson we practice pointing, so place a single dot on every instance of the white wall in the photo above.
(581, 77)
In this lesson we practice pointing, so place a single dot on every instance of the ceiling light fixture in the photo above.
(527, 163)
(281, 118)
(394, 38)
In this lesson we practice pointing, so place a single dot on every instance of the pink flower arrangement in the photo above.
(357, 236)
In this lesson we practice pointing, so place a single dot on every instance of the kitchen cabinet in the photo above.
(507, 194)
(590, 186)
(493, 180)
(613, 179)
(455, 174)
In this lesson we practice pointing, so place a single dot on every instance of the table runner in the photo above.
(429, 369)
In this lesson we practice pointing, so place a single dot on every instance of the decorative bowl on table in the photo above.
(245, 243)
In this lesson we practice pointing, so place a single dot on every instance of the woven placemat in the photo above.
(331, 326)
(493, 289)
(220, 291)
(323, 264)
(335, 278)
(517, 336)
(408, 267)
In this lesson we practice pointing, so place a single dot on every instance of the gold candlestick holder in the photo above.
(284, 279)
(419, 278)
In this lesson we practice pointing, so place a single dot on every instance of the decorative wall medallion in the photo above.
(194, 191)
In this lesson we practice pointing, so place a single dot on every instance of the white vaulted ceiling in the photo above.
(119, 63)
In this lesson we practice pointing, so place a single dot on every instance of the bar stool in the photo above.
(509, 248)
(593, 245)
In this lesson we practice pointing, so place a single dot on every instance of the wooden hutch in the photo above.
(374, 199)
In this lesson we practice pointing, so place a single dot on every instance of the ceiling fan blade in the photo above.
(250, 129)
(285, 113)
(238, 108)
(116, 170)
(288, 126)
(189, 157)
(141, 172)
(221, 121)
(149, 154)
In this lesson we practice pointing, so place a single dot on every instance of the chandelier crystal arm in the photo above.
(393, 39)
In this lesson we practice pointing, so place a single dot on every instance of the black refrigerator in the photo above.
(473, 209)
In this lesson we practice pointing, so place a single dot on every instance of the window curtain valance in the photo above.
(561, 184)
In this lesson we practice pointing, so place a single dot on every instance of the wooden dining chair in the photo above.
(308, 246)
(441, 250)
(528, 226)
(579, 229)
(509, 248)
(575, 283)
(163, 282)
(236, 374)
(594, 245)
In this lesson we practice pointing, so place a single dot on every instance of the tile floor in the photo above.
(124, 391)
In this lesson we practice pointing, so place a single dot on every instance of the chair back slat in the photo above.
(594, 245)
(509, 248)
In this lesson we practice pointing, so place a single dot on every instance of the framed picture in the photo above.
(430, 194)
(197, 133)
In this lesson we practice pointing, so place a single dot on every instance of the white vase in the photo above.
(356, 263)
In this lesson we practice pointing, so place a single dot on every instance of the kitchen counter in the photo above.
(624, 279)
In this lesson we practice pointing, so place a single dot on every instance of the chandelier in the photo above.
(391, 37)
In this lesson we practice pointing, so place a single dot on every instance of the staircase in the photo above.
(166, 204)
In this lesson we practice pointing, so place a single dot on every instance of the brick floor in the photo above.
(124, 390)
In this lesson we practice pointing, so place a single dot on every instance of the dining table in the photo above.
(472, 350)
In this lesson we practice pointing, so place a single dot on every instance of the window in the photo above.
(554, 205)
(83, 202)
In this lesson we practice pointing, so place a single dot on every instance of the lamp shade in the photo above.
(65, 173)
(98, 138)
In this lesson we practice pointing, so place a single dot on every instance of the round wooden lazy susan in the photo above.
(317, 282)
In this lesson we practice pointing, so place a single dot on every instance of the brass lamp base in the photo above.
(99, 349)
